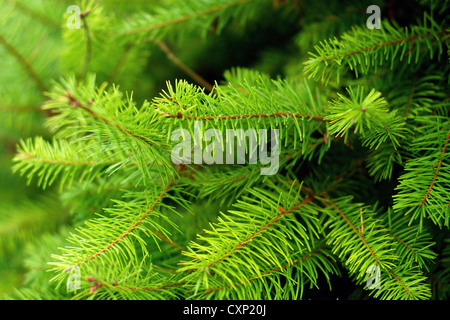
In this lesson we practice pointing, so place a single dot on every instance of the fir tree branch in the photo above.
(131, 228)
(30, 157)
(261, 230)
(121, 62)
(437, 170)
(376, 76)
(20, 108)
(87, 35)
(410, 99)
(445, 100)
(187, 17)
(236, 179)
(169, 241)
(98, 283)
(423, 192)
(360, 48)
(244, 116)
(389, 43)
(76, 103)
(266, 273)
(23, 62)
(361, 237)
(355, 230)
(403, 243)
(414, 246)
(43, 19)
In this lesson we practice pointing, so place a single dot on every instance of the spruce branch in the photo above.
(410, 39)
(129, 225)
(426, 171)
(46, 20)
(21, 108)
(365, 114)
(261, 230)
(24, 63)
(243, 116)
(112, 123)
(415, 246)
(121, 62)
(266, 273)
(87, 35)
(441, 158)
(77, 104)
(151, 25)
(222, 265)
(375, 245)
(136, 280)
(333, 55)
(131, 228)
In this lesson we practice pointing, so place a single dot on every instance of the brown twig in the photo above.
(437, 170)
(78, 104)
(198, 78)
(87, 33)
(179, 115)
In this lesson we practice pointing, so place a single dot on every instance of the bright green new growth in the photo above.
(364, 131)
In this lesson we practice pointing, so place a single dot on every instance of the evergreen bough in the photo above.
(364, 172)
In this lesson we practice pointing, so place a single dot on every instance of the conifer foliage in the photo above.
(95, 207)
